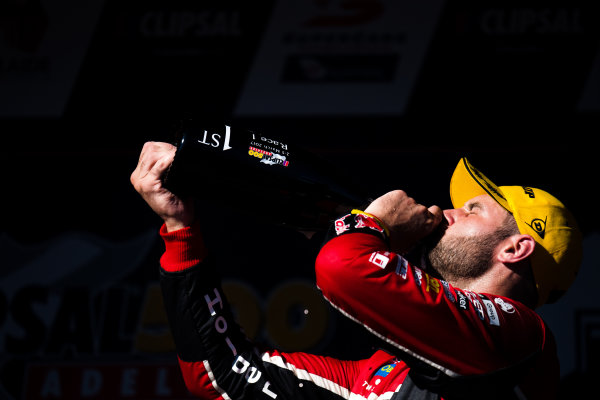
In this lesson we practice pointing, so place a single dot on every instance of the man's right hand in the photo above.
(154, 160)
(408, 221)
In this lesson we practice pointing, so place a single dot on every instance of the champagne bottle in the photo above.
(260, 175)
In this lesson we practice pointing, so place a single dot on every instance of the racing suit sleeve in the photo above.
(457, 332)
(216, 359)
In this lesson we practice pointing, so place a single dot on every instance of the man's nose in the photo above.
(453, 214)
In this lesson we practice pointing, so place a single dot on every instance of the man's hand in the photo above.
(154, 160)
(408, 221)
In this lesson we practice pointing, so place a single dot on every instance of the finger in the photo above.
(136, 174)
(146, 165)
(143, 159)
(437, 213)
(158, 156)
(160, 166)
(436, 216)
(430, 217)
(147, 150)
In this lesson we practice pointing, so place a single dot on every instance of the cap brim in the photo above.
(468, 182)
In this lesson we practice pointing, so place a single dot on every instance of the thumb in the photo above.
(437, 215)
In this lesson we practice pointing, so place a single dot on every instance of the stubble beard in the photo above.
(461, 258)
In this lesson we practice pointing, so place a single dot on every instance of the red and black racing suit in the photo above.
(449, 343)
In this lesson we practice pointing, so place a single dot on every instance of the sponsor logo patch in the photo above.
(448, 291)
(432, 283)
(539, 226)
(418, 276)
(385, 370)
(476, 304)
(463, 302)
(491, 312)
(275, 159)
(401, 267)
(363, 221)
(380, 259)
(341, 226)
(504, 306)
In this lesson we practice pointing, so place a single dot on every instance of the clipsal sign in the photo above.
(92, 302)
(539, 21)
(132, 324)
(104, 381)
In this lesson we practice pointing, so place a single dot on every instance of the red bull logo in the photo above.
(341, 226)
(363, 221)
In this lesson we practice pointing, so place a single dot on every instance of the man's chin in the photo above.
(428, 244)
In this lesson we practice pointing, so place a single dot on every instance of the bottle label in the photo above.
(215, 139)
(268, 151)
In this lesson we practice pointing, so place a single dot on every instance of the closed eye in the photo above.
(474, 206)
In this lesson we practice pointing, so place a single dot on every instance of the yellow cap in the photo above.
(558, 251)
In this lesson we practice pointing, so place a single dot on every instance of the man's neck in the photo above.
(500, 281)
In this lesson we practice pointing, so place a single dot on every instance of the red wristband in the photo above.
(184, 248)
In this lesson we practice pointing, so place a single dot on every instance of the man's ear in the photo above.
(516, 248)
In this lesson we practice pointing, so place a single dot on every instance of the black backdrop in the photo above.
(515, 86)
